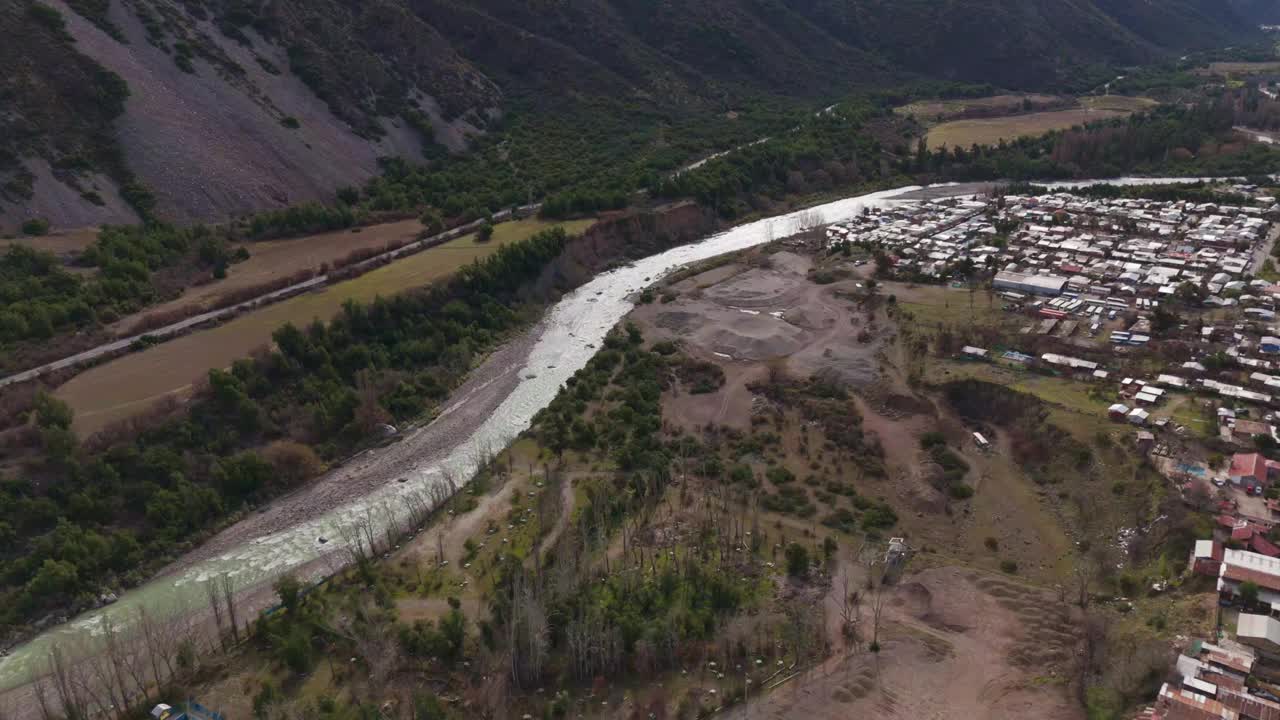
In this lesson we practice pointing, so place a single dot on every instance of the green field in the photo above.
(130, 384)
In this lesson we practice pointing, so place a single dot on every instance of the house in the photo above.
(1206, 557)
(1261, 545)
(1259, 631)
(1138, 416)
(1245, 430)
(1269, 345)
(1145, 442)
(1117, 412)
(1252, 470)
(1241, 566)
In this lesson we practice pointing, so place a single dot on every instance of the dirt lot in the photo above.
(955, 643)
(964, 133)
(745, 317)
(132, 383)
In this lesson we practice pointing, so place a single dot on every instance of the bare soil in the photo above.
(955, 643)
(751, 316)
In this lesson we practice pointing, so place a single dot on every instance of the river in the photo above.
(562, 344)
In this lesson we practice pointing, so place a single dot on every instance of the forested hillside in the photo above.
(212, 108)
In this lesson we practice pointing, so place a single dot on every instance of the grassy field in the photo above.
(1118, 103)
(933, 304)
(60, 243)
(274, 259)
(931, 110)
(130, 384)
(1240, 68)
(964, 133)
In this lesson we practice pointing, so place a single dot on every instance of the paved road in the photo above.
(1263, 252)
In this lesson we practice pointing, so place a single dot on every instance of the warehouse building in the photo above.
(1050, 285)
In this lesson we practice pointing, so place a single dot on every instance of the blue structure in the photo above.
(193, 711)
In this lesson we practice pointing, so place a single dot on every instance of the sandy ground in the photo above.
(955, 643)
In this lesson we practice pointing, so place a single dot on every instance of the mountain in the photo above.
(197, 110)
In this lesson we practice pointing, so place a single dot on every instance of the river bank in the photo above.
(492, 408)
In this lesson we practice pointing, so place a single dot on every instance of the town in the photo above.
(1167, 309)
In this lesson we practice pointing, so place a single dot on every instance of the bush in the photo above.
(35, 227)
(932, 439)
(780, 475)
(1009, 566)
(290, 122)
(797, 560)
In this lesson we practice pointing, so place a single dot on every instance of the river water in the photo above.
(572, 330)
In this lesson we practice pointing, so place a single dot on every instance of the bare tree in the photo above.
(229, 596)
(877, 609)
(215, 604)
(66, 685)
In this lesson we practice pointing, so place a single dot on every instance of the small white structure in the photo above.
(1138, 416)
(981, 442)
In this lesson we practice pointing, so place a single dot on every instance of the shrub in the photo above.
(780, 475)
(35, 227)
(290, 122)
(797, 560)
(932, 439)
(1009, 566)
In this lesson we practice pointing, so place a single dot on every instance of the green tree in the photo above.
(35, 226)
(55, 578)
(289, 590)
(1249, 593)
(485, 233)
(797, 560)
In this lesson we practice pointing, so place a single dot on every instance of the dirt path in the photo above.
(562, 521)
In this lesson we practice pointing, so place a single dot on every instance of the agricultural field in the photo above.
(928, 111)
(990, 131)
(1118, 103)
(63, 243)
(1225, 69)
(129, 385)
(272, 260)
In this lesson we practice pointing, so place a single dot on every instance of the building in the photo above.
(1241, 566)
(1047, 285)
(1252, 470)
(1244, 431)
(1261, 632)
(1206, 558)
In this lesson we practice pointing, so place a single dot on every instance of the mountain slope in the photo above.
(239, 105)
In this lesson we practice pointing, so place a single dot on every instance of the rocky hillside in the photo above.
(197, 110)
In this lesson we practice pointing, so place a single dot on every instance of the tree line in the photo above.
(90, 516)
